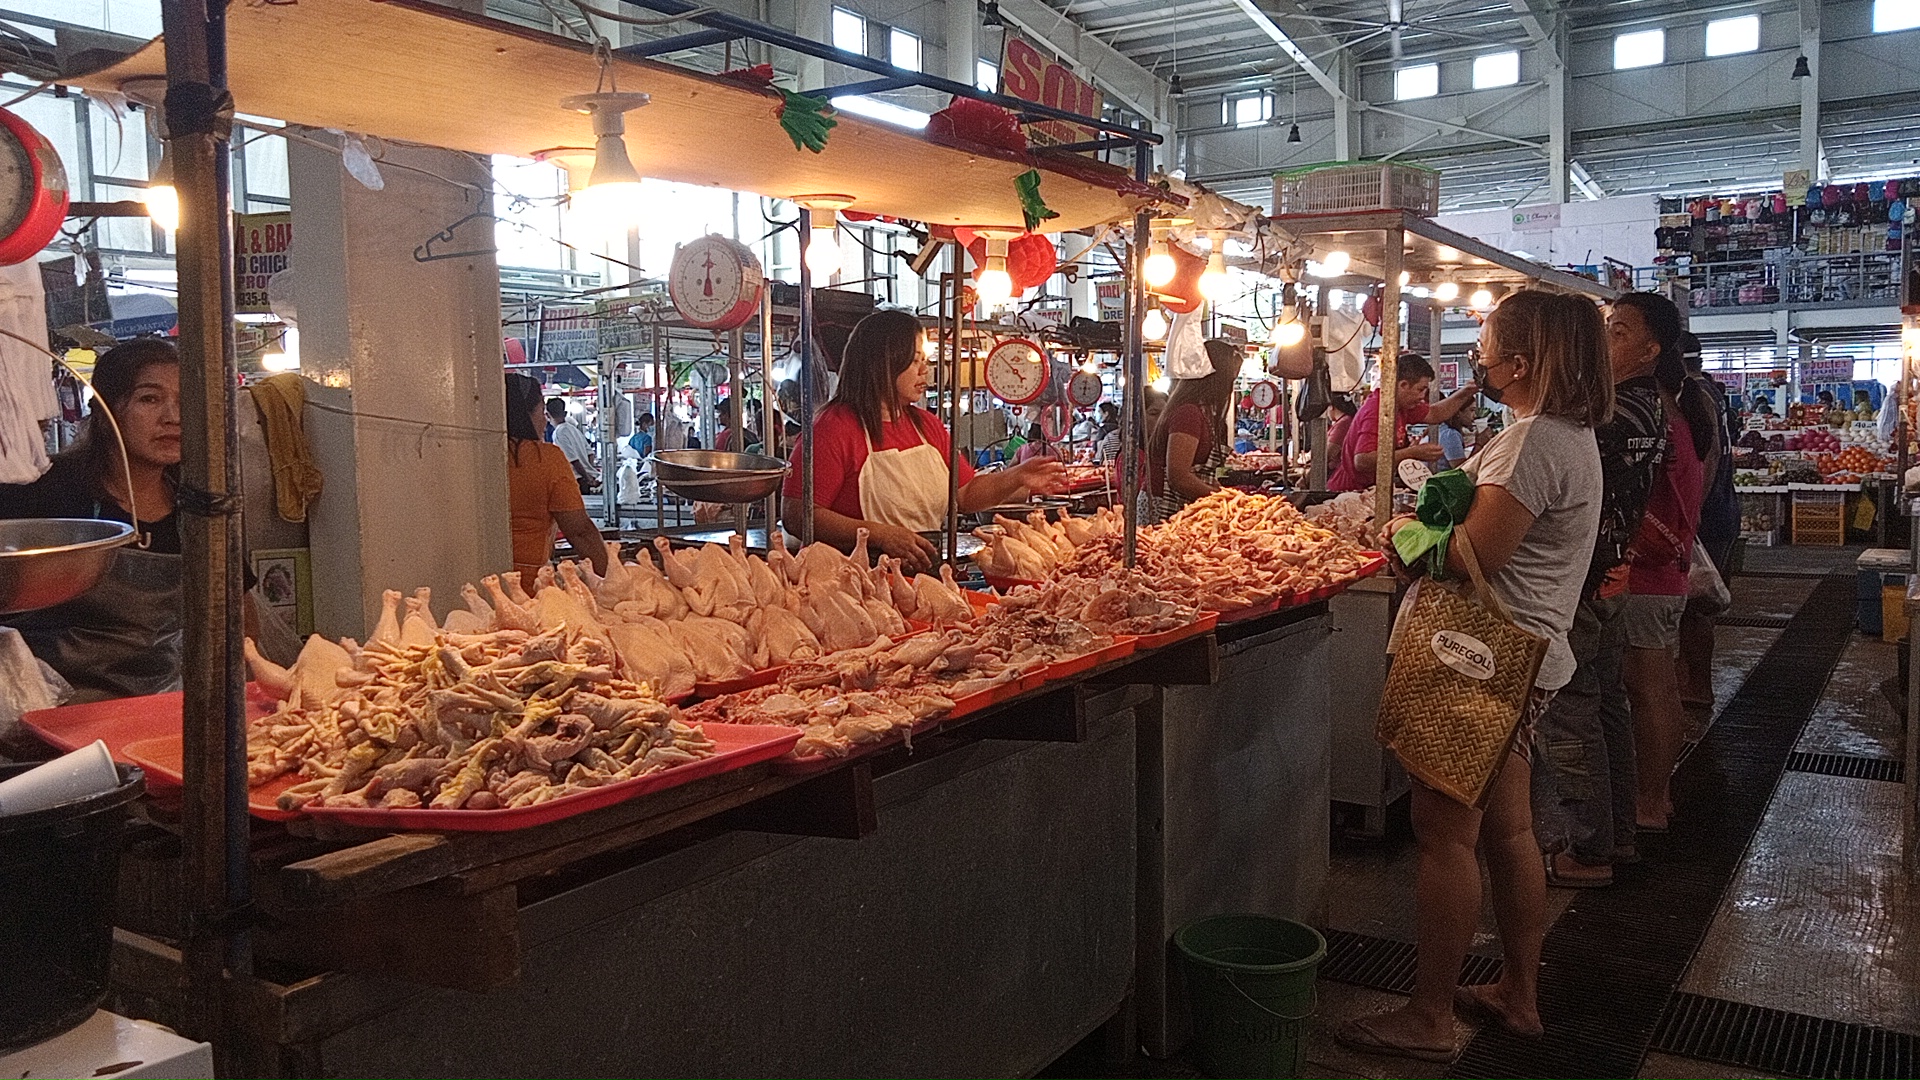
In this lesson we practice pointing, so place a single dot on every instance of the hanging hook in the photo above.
(425, 253)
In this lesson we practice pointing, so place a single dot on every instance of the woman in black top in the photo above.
(122, 637)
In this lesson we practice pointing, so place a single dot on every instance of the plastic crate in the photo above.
(1820, 518)
(1357, 185)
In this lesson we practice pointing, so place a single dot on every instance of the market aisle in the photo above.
(1780, 890)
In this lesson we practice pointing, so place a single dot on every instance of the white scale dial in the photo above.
(1016, 371)
(1265, 395)
(1085, 389)
(715, 283)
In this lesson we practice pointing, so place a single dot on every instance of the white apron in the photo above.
(907, 487)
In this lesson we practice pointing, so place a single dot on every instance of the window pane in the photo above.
(1250, 110)
(1643, 48)
(986, 76)
(849, 31)
(1496, 69)
(1889, 15)
(1736, 35)
(119, 143)
(903, 50)
(122, 233)
(1418, 81)
(266, 164)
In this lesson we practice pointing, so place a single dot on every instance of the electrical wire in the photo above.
(42, 88)
(636, 20)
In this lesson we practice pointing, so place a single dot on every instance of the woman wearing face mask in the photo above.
(122, 637)
(880, 460)
(1536, 504)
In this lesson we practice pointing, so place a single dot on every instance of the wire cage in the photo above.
(1357, 185)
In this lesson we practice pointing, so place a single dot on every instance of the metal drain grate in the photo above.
(1771, 1041)
(1381, 964)
(1850, 766)
(1762, 622)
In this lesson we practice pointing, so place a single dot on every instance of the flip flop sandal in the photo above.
(1474, 1006)
(1360, 1035)
(1564, 880)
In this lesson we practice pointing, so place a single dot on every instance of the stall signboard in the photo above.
(1542, 218)
(1113, 299)
(262, 247)
(624, 325)
(569, 333)
(1030, 75)
(1449, 375)
(1829, 369)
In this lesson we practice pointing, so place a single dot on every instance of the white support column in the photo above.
(408, 419)
(1558, 154)
(1811, 157)
(1347, 107)
(963, 40)
(814, 19)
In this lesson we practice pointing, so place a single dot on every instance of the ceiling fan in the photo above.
(1397, 23)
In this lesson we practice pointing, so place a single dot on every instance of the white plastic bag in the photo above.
(26, 684)
(1704, 583)
(1187, 347)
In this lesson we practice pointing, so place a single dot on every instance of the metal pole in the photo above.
(661, 375)
(214, 803)
(952, 282)
(1134, 365)
(737, 410)
(1389, 374)
(609, 413)
(806, 381)
(772, 433)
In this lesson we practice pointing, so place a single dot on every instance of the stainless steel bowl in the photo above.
(48, 561)
(717, 476)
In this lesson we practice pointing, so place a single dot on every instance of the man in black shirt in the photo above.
(1583, 782)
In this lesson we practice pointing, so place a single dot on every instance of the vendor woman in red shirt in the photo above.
(1359, 452)
(880, 460)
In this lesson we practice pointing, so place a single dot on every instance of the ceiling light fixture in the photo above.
(1800, 68)
(1214, 283)
(822, 255)
(1159, 267)
(993, 17)
(1446, 291)
(1335, 263)
(1482, 298)
(994, 284)
(611, 197)
(161, 200)
(1153, 326)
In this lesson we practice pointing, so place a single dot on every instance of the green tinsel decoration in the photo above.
(1032, 206)
(806, 120)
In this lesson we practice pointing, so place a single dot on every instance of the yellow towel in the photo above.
(296, 482)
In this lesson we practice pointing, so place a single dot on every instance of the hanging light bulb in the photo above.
(1289, 332)
(1405, 278)
(1158, 269)
(1214, 283)
(163, 202)
(823, 249)
(995, 285)
(611, 199)
(1154, 326)
(1482, 298)
(1335, 263)
(1446, 291)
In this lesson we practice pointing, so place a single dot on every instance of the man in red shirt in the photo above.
(1359, 451)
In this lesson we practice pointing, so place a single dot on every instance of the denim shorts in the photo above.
(1653, 622)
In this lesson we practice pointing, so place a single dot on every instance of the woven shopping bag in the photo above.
(1458, 684)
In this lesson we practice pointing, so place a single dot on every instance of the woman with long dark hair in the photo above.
(880, 460)
(1190, 442)
(122, 637)
(542, 491)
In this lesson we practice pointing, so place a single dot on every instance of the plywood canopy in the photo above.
(414, 71)
(1429, 251)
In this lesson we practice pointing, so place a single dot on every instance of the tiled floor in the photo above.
(1819, 920)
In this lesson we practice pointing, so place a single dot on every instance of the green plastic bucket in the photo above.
(1250, 989)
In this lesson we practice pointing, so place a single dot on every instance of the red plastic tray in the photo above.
(1256, 611)
(126, 720)
(739, 745)
(791, 765)
(1121, 648)
(163, 758)
(763, 677)
(1007, 584)
(1205, 623)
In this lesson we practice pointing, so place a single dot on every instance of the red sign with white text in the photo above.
(1030, 75)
